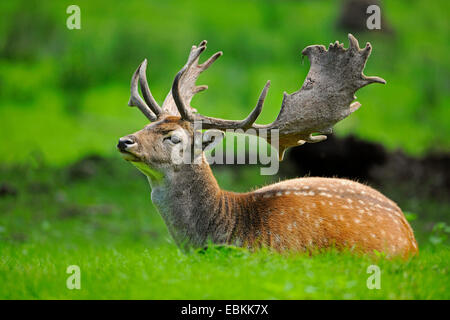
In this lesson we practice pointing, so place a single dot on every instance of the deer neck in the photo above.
(193, 206)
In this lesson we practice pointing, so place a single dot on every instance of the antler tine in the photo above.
(184, 112)
(205, 65)
(251, 118)
(151, 102)
(354, 44)
(136, 100)
(195, 53)
(222, 124)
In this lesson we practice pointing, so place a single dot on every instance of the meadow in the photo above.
(97, 214)
(67, 197)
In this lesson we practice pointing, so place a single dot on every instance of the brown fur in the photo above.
(296, 215)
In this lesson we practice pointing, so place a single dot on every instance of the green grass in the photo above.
(136, 272)
(99, 216)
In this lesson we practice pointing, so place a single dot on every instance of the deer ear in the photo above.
(211, 138)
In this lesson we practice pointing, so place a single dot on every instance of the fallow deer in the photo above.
(298, 214)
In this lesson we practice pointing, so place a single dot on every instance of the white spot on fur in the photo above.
(325, 194)
(357, 220)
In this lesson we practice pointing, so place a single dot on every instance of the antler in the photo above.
(325, 96)
(149, 107)
(323, 100)
(184, 88)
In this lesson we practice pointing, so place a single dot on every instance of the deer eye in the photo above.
(173, 138)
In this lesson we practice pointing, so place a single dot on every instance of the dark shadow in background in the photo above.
(371, 163)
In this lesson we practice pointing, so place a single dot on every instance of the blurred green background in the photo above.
(64, 94)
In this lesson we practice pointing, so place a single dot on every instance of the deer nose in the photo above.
(125, 142)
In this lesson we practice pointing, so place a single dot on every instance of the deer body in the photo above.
(299, 214)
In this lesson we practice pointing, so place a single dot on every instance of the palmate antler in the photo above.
(325, 96)
(323, 100)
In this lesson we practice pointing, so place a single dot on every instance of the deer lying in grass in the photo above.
(298, 214)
